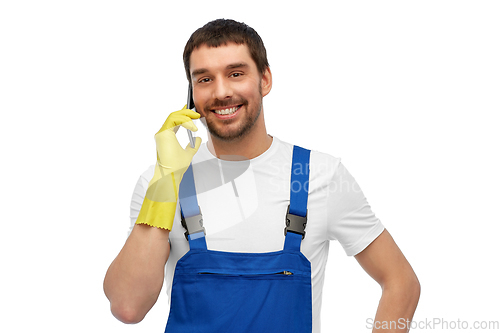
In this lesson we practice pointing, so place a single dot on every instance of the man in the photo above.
(245, 186)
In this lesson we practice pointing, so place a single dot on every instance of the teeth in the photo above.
(226, 111)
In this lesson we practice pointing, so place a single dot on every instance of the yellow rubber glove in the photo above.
(158, 208)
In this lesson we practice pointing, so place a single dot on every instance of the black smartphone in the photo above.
(190, 101)
(190, 105)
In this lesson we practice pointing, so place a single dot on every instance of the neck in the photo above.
(255, 143)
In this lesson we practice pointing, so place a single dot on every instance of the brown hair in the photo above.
(222, 31)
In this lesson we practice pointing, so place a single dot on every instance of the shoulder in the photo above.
(321, 164)
(317, 155)
(142, 183)
(147, 175)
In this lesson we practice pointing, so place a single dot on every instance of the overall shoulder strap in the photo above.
(191, 217)
(296, 216)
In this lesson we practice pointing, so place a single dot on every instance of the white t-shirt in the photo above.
(244, 204)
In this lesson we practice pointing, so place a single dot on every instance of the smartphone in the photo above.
(190, 105)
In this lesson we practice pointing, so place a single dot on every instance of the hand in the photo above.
(159, 205)
(170, 155)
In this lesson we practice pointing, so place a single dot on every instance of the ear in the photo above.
(266, 83)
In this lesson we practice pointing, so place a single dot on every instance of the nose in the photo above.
(222, 89)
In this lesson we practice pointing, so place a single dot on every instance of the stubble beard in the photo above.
(244, 128)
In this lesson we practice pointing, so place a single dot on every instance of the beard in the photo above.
(221, 129)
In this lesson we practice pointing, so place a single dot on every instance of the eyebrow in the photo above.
(230, 66)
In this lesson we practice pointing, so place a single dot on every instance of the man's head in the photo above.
(227, 67)
(221, 32)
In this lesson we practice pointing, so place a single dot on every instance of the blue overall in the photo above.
(216, 291)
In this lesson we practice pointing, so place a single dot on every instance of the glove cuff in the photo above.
(157, 214)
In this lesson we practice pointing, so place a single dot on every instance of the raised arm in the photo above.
(134, 279)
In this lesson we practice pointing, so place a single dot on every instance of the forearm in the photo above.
(135, 278)
(397, 306)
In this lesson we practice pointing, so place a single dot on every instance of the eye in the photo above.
(236, 74)
(203, 80)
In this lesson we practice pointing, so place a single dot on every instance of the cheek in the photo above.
(251, 90)
(199, 100)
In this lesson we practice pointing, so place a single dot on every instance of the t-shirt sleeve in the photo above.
(138, 195)
(351, 220)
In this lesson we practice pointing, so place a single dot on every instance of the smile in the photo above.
(227, 111)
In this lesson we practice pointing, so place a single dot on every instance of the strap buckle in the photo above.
(193, 224)
(295, 223)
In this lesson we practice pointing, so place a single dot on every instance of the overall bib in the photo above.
(214, 291)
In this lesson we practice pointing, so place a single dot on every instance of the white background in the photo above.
(405, 92)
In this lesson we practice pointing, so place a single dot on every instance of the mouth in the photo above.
(227, 112)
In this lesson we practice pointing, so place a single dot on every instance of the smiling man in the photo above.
(241, 225)
(228, 89)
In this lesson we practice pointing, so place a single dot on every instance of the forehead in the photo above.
(219, 58)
